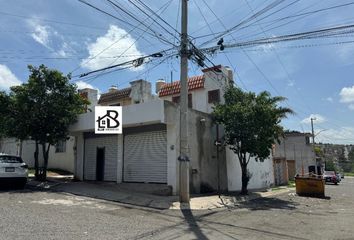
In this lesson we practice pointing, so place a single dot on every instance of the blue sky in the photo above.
(315, 75)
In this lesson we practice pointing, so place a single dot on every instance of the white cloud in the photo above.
(7, 78)
(347, 94)
(49, 38)
(41, 33)
(63, 51)
(114, 43)
(82, 85)
(329, 99)
(318, 117)
(291, 83)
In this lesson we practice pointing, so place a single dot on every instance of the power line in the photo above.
(178, 12)
(136, 62)
(118, 40)
(159, 36)
(139, 61)
(154, 20)
(234, 12)
(228, 59)
(296, 16)
(159, 17)
(279, 59)
(121, 20)
(52, 21)
(249, 19)
(333, 31)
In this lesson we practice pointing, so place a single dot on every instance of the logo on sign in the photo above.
(108, 120)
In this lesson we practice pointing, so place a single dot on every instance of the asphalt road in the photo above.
(31, 214)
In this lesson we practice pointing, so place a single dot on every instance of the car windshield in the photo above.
(10, 159)
(329, 173)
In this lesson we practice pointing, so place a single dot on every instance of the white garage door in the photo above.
(145, 157)
(110, 145)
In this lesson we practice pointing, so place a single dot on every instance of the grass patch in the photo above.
(291, 183)
(31, 171)
(351, 174)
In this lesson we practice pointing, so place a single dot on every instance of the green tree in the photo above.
(4, 111)
(42, 110)
(251, 125)
(318, 151)
(330, 166)
(351, 155)
(349, 165)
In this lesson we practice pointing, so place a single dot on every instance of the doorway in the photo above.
(100, 154)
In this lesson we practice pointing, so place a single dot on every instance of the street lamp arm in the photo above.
(320, 131)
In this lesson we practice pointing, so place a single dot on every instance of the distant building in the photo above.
(294, 155)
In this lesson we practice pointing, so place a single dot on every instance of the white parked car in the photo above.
(13, 171)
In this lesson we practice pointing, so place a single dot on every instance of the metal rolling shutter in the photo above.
(145, 157)
(111, 152)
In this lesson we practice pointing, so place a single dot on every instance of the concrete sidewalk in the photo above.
(135, 196)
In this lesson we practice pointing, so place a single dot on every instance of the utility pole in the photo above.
(184, 147)
(313, 145)
(313, 132)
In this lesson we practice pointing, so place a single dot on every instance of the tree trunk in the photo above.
(36, 163)
(45, 151)
(245, 177)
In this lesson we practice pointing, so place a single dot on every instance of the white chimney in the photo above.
(159, 84)
(113, 88)
(230, 75)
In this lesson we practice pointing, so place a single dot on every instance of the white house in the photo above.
(61, 155)
(148, 149)
(203, 92)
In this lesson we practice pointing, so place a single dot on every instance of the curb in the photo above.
(216, 203)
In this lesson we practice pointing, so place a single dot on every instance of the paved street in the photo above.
(27, 214)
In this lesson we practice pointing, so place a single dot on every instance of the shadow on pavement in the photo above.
(268, 203)
(193, 224)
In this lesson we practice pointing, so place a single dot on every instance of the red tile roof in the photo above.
(195, 82)
(114, 95)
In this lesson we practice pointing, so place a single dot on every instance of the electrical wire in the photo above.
(245, 21)
(206, 21)
(157, 35)
(159, 17)
(52, 21)
(297, 17)
(111, 45)
(280, 61)
(154, 20)
(315, 34)
(139, 59)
